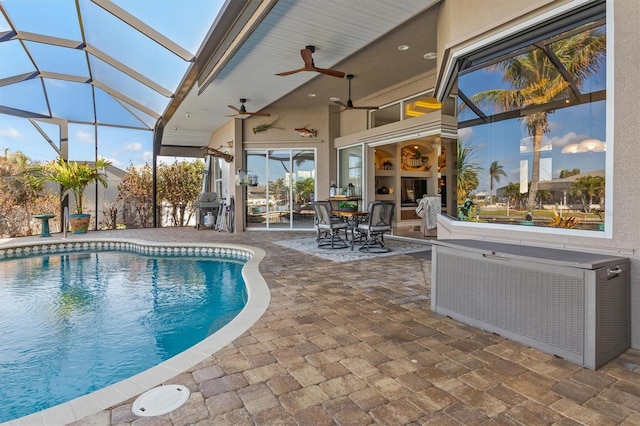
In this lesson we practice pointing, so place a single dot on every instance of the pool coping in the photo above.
(258, 298)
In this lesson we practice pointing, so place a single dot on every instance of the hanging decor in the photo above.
(306, 133)
(264, 127)
(217, 153)
(241, 177)
(252, 179)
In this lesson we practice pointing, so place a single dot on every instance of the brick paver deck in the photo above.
(357, 344)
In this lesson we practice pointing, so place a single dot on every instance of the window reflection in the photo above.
(351, 170)
(535, 123)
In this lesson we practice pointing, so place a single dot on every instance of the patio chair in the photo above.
(371, 233)
(328, 227)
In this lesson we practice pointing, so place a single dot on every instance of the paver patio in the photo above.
(357, 344)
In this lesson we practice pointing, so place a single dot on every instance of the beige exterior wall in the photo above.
(622, 144)
(460, 24)
(284, 135)
(231, 132)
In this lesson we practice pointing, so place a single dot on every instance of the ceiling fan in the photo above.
(307, 57)
(243, 111)
(349, 104)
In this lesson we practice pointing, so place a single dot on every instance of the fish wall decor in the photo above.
(306, 133)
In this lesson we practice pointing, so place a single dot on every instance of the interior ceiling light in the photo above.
(429, 103)
(430, 55)
(403, 47)
(413, 113)
(312, 95)
(334, 98)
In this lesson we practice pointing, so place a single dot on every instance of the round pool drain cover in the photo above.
(160, 400)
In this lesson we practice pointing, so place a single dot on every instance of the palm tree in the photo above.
(535, 80)
(495, 171)
(468, 170)
(588, 186)
(512, 192)
(565, 173)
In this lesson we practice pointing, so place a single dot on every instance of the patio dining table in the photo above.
(353, 218)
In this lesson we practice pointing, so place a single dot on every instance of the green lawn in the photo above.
(537, 214)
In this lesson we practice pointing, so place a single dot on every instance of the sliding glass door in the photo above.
(281, 186)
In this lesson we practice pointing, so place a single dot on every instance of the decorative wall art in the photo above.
(306, 133)
(413, 160)
(264, 127)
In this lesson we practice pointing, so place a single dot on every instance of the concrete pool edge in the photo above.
(258, 298)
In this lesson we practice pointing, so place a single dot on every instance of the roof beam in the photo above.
(128, 71)
(145, 29)
(66, 77)
(18, 78)
(126, 99)
(21, 113)
(56, 41)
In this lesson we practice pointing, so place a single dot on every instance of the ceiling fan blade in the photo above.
(347, 106)
(235, 109)
(333, 73)
(292, 71)
(262, 114)
(364, 107)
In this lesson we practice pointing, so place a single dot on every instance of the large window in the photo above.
(281, 187)
(350, 170)
(415, 106)
(531, 140)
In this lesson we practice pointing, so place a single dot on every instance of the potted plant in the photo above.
(347, 206)
(74, 178)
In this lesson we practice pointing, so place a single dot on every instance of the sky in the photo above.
(184, 22)
(507, 141)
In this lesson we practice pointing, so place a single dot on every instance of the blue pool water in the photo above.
(72, 323)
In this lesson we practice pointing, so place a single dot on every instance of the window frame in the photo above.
(495, 47)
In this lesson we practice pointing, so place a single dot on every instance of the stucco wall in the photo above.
(622, 144)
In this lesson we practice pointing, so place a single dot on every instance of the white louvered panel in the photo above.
(537, 297)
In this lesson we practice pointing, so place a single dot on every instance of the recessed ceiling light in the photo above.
(430, 55)
(334, 98)
(403, 47)
(312, 95)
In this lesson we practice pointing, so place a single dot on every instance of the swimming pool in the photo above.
(116, 296)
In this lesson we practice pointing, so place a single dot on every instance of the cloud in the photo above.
(10, 132)
(115, 162)
(133, 146)
(147, 157)
(466, 133)
(84, 136)
(571, 137)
